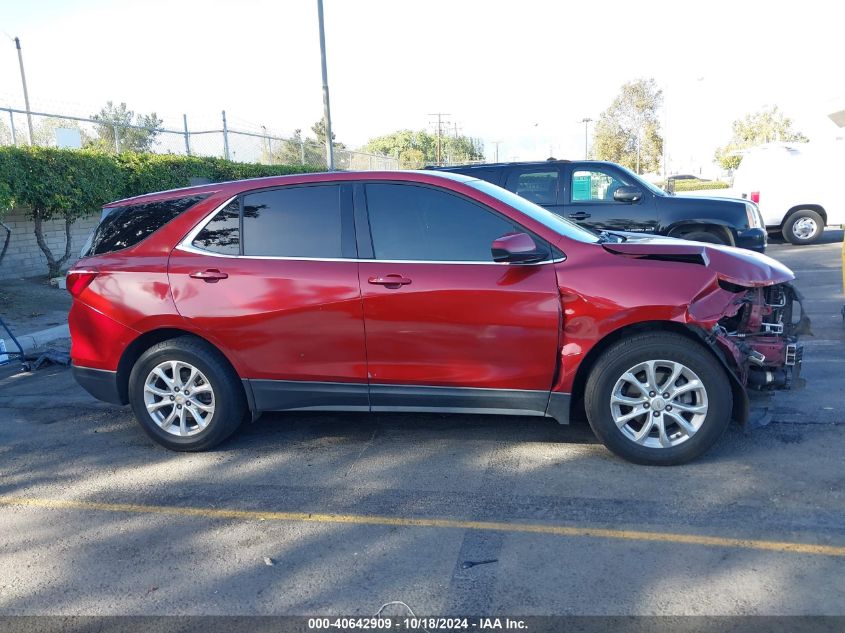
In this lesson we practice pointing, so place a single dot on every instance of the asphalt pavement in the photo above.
(341, 513)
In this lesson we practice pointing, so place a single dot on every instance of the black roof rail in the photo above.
(502, 164)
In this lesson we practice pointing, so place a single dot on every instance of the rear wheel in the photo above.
(658, 399)
(805, 226)
(185, 395)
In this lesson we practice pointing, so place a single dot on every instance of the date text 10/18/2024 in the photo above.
(416, 623)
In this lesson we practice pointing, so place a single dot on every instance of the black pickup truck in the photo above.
(607, 196)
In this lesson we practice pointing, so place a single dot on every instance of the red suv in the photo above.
(419, 291)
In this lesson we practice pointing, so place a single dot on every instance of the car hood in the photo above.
(714, 199)
(735, 265)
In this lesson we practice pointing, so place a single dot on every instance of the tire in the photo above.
(805, 226)
(704, 236)
(212, 412)
(712, 402)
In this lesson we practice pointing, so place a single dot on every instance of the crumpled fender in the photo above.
(713, 303)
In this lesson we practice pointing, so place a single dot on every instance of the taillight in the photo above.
(755, 197)
(78, 280)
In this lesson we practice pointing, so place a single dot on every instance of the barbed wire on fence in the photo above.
(19, 127)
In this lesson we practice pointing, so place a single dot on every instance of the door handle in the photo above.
(390, 281)
(581, 215)
(209, 276)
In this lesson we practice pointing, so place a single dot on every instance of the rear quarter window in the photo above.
(122, 227)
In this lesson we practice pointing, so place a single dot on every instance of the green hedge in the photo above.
(699, 185)
(49, 182)
(158, 172)
(61, 182)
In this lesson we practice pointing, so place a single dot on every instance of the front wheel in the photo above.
(185, 395)
(707, 237)
(803, 227)
(658, 399)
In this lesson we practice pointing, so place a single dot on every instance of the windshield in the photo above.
(641, 181)
(536, 212)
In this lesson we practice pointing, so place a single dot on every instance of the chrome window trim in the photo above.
(192, 235)
(187, 246)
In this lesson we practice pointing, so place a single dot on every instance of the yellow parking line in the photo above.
(498, 526)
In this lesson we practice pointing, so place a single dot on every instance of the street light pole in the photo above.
(25, 92)
(586, 121)
(326, 109)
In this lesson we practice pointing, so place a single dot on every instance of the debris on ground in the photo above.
(473, 563)
(47, 357)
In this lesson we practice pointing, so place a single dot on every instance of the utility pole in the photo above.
(225, 137)
(187, 135)
(440, 122)
(327, 115)
(269, 148)
(586, 121)
(25, 92)
(496, 155)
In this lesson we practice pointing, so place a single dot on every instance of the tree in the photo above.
(134, 139)
(300, 151)
(5, 134)
(56, 183)
(305, 151)
(416, 149)
(319, 129)
(44, 133)
(628, 132)
(756, 128)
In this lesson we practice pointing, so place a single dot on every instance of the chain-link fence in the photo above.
(18, 127)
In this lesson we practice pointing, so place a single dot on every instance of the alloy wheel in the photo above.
(659, 403)
(179, 398)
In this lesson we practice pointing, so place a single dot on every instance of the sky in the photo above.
(521, 73)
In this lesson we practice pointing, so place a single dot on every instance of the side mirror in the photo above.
(517, 248)
(627, 194)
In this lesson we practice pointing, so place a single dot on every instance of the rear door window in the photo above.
(539, 186)
(293, 222)
(122, 227)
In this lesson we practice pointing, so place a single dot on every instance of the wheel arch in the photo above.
(804, 207)
(740, 408)
(146, 340)
(679, 229)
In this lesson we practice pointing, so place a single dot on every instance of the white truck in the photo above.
(798, 187)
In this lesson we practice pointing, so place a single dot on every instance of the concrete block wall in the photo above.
(24, 258)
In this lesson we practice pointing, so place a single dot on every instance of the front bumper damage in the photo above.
(759, 334)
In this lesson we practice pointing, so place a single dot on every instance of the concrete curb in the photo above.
(38, 339)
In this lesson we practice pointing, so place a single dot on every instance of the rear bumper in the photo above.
(100, 383)
(752, 239)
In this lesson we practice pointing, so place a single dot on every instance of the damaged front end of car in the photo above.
(748, 310)
(759, 334)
